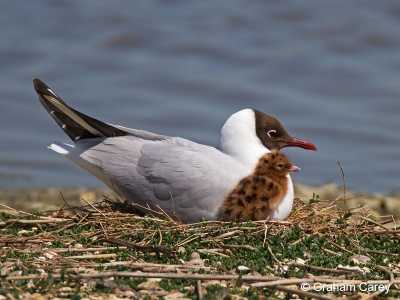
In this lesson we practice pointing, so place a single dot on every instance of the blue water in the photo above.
(329, 70)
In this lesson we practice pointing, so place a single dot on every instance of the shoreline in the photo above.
(377, 204)
(53, 198)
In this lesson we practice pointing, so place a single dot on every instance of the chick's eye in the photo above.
(280, 165)
(272, 133)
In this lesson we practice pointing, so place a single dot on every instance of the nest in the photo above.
(98, 243)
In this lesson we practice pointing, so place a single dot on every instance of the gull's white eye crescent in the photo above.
(271, 133)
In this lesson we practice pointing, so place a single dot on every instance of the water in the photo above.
(328, 70)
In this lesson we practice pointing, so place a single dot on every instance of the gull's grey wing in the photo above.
(194, 178)
(178, 176)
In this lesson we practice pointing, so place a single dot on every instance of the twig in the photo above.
(42, 221)
(16, 210)
(376, 223)
(373, 295)
(302, 293)
(173, 208)
(188, 239)
(342, 248)
(64, 228)
(66, 203)
(381, 252)
(246, 247)
(21, 241)
(161, 239)
(330, 252)
(199, 291)
(92, 206)
(344, 182)
(213, 251)
(334, 271)
(226, 234)
(272, 221)
(265, 234)
(92, 256)
(139, 248)
(383, 269)
(274, 257)
(281, 281)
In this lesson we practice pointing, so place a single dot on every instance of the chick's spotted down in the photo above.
(257, 195)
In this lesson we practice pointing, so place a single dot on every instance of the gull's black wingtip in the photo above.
(38, 83)
(41, 88)
(75, 124)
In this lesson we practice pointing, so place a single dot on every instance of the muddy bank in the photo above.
(379, 205)
(45, 199)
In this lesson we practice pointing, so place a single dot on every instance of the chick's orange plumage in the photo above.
(257, 195)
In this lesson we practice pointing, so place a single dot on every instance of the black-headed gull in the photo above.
(176, 176)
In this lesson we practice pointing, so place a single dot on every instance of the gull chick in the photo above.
(257, 195)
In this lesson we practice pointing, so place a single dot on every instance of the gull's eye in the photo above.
(280, 165)
(272, 133)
